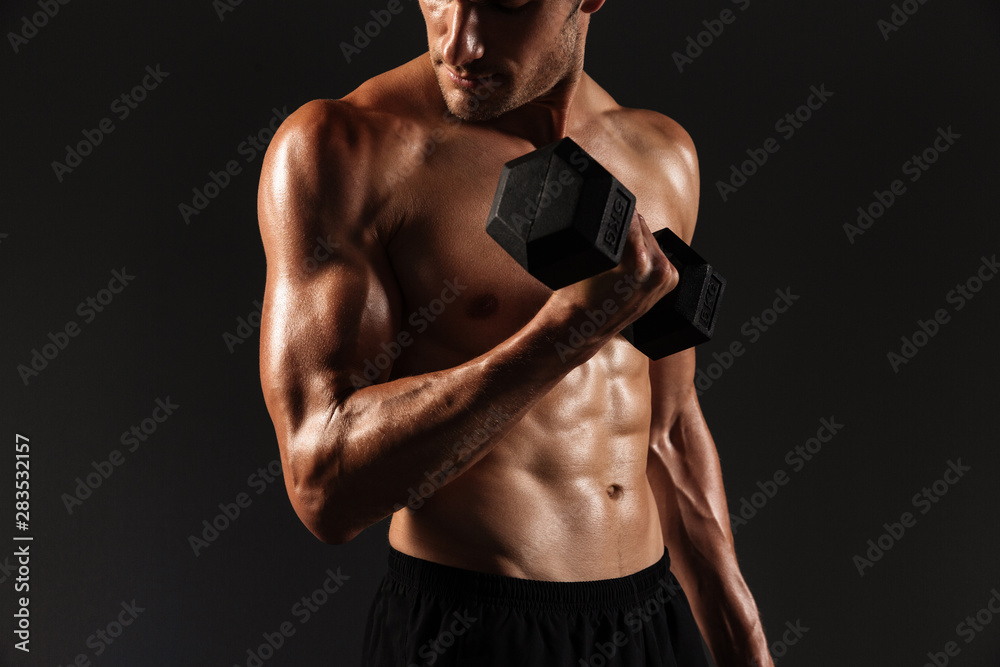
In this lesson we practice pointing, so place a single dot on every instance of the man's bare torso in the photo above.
(564, 496)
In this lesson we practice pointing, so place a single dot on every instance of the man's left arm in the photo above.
(684, 472)
(683, 465)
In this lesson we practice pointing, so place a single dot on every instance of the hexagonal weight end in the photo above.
(560, 214)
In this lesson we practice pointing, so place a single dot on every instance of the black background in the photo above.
(826, 357)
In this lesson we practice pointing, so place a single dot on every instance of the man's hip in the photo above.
(427, 614)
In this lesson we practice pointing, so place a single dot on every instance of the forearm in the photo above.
(722, 605)
(700, 543)
(360, 458)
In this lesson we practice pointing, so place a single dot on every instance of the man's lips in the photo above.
(469, 82)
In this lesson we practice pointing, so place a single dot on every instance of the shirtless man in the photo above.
(534, 477)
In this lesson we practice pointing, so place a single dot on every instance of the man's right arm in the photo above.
(351, 455)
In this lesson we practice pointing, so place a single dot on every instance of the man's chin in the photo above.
(471, 108)
(483, 103)
(474, 114)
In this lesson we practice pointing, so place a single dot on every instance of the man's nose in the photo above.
(463, 42)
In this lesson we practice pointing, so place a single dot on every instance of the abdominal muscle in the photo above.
(563, 497)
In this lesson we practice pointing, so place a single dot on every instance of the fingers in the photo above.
(650, 265)
(641, 279)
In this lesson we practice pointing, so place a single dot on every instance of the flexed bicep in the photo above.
(330, 298)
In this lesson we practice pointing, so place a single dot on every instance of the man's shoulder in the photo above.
(356, 129)
(397, 94)
(667, 151)
(405, 90)
(324, 128)
(658, 137)
(654, 138)
(335, 157)
(300, 153)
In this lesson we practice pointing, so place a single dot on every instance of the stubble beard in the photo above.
(494, 99)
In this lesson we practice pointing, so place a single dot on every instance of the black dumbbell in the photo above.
(564, 218)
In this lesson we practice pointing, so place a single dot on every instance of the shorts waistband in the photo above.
(455, 583)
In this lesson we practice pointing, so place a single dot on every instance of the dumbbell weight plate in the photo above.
(560, 214)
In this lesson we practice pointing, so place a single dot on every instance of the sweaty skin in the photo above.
(413, 369)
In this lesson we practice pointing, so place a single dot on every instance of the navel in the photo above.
(615, 492)
(482, 306)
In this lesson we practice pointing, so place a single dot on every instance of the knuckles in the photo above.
(652, 269)
(668, 274)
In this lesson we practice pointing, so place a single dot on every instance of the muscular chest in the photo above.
(461, 293)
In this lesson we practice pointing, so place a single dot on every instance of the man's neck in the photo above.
(551, 116)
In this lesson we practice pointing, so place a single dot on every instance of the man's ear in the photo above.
(591, 6)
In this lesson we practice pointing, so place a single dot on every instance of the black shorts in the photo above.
(430, 614)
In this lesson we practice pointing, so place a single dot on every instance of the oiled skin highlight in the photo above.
(538, 504)
(418, 371)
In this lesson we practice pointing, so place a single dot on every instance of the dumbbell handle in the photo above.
(686, 316)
